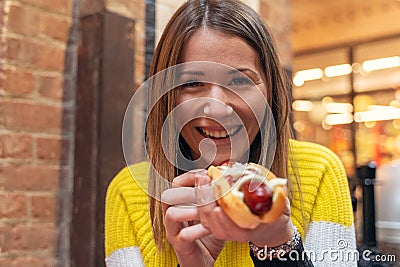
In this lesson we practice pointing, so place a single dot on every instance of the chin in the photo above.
(218, 162)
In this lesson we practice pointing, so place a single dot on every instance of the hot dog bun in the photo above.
(231, 200)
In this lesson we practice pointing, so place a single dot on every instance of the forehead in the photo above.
(211, 45)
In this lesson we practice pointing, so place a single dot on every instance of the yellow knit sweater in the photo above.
(326, 205)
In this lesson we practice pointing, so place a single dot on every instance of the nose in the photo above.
(218, 105)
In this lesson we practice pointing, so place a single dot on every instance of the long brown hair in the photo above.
(230, 17)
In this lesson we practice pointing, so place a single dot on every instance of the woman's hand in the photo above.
(193, 243)
(213, 218)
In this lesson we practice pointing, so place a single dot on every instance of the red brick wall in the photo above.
(36, 118)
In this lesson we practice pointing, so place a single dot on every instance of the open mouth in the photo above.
(220, 134)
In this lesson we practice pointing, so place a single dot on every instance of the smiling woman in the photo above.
(217, 93)
(240, 89)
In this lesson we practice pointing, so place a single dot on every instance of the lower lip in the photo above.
(222, 141)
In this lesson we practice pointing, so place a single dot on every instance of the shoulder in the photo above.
(130, 181)
(307, 154)
(310, 149)
(136, 173)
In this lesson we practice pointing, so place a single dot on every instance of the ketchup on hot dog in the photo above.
(259, 200)
(248, 193)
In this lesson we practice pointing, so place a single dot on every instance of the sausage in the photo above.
(248, 193)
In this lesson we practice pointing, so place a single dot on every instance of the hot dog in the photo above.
(249, 193)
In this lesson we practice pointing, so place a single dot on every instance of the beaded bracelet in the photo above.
(263, 253)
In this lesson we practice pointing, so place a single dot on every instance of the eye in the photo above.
(240, 80)
(191, 84)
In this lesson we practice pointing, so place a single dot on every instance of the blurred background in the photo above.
(69, 67)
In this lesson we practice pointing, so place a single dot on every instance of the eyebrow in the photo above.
(242, 70)
(233, 71)
(190, 72)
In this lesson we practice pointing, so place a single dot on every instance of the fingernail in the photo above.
(204, 192)
(198, 181)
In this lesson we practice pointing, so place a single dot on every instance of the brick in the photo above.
(31, 236)
(42, 55)
(55, 27)
(23, 20)
(5, 231)
(48, 148)
(13, 205)
(27, 261)
(19, 146)
(51, 87)
(50, 58)
(6, 262)
(36, 262)
(44, 207)
(57, 6)
(30, 116)
(18, 82)
(129, 8)
(30, 177)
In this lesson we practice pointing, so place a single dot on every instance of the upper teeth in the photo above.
(219, 134)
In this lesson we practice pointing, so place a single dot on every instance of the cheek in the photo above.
(252, 116)
(188, 134)
(254, 111)
(184, 111)
(185, 133)
(254, 102)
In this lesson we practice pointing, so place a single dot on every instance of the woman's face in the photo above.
(219, 107)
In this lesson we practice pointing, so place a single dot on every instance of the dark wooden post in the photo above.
(104, 86)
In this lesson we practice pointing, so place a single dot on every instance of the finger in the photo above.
(205, 199)
(204, 191)
(181, 214)
(164, 207)
(224, 228)
(188, 179)
(175, 216)
(192, 233)
(213, 222)
(179, 196)
(206, 213)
